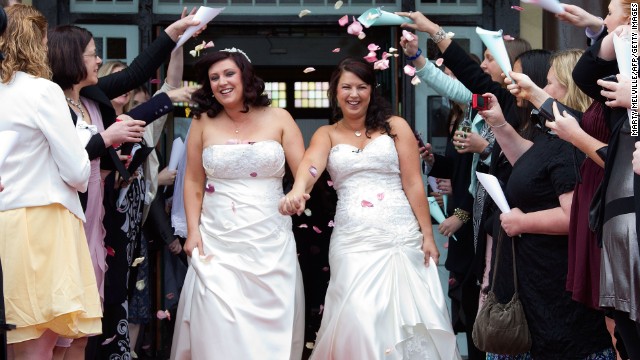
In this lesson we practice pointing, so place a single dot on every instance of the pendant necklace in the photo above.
(357, 133)
(79, 107)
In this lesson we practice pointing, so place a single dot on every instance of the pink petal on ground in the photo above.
(330, 224)
(209, 189)
(516, 7)
(381, 65)
(355, 28)
(373, 47)
(409, 70)
(371, 57)
(330, 183)
(439, 61)
(343, 20)
(155, 81)
(303, 226)
(110, 251)
(508, 37)
(109, 340)
(336, 50)
(409, 36)
(366, 203)
(380, 196)
(317, 229)
(313, 171)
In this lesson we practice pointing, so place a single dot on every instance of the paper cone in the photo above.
(445, 200)
(492, 185)
(377, 17)
(495, 43)
(549, 5)
(436, 212)
(176, 153)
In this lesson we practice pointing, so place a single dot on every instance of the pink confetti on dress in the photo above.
(321, 309)
(380, 196)
(373, 47)
(109, 340)
(343, 20)
(381, 64)
(439, 62)
(408, 35)
(313, 171)
(233, 207)
(331, 224)
(336, 50)
(110, 251)
(303, 226)
(209, 189)
(516, 7)
(355, 28)
(409, 70)
(371, 57)
(366, 203)
(330, 183)
(317, 229)
(253, 174)
(325, 269)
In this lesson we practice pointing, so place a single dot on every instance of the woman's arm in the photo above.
(553, 221)
(412, 183)
(513, 145)
(292, 141)
(194, 182)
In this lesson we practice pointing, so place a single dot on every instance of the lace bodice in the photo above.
(368, 185)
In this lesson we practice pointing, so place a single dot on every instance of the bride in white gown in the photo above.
(384, 299)
(242, 298)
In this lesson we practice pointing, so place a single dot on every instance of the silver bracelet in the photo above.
(438, 36)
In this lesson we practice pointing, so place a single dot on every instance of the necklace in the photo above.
(357, 133)
(79, 107)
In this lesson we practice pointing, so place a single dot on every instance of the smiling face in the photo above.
(92, 63)
(616, 15)
(491, 67)
(225, 79)
(353, 95)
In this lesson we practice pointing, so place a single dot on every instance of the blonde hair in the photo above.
(563, 63)
(109, 67)
(23, 43)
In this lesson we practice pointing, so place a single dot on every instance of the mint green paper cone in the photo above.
(377, 17)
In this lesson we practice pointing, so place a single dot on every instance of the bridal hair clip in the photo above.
(235, 50)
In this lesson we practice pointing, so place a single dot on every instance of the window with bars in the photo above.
(115, 42)
(105, 6)
(277, 92)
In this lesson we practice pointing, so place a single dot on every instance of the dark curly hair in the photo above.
(253, 86)
(379, 110)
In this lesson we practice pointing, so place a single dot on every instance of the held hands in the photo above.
(293, 204)
(512, 222)
(450, 225)
(193, 241)
(430, 250)
(493, 116)
(635, 161)
(565, 126)
(127, 130)
(618, 93)
(175, 247)
(469, 142)
(167, 177)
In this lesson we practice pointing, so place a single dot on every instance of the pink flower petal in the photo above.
(161, 315)
(415, 81)
(321, 309)
(109, 340)
(366, 203)
(330, 183)
(381, 64)
(380, 196)
(362, 35)
(336, 50)
(409, 70)
(439, 62)
(343, 20)
(170, 296)
(373, 47)
(317, 229)
(516, 7)
(508, 37)
(209, 45)
(233, 207)
(409, 36)
(338, 4)
(385, 55)
(308, 70)
(325, 269)
(253, 174)
(355, 28)
(155, 81)
(304, 13)
(110, 251)
(371, 57)
(313, 171)
(209, 189)
(330, 224)
(303, 226)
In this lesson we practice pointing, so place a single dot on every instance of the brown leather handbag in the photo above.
(502, 328)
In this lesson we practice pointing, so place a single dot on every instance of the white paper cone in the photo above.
(495, 43)
(492, 186)
(204, 15)
(436, 212)
(549, 5)
(177, 149)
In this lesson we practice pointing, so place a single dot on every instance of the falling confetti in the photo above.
(155, 81)
(325, 269)
(355, 28)
(308, 70)
(338, 4)
(381, 64)
(193, 53)
(409, 70)
(330, 183)
(187, 111)
(508, 37)
(366, 203)
(310, 345)
(371, 57)
(206, 258)
(109, 340)
(450, 35)
(209, 45)
(303, 226)
(110, 251)
(392, 49)
(415, 80)
(321, 309)
(163, 314)
(307, 212)
(408, 35)
(362, 35)
(336, 50)
(137, 261)
(330, 224)
(373, 47)
(170, 296)
(439, 62)
(140, 285)
(304, 13)
(516, 7)
(317, 229)
(343, 20)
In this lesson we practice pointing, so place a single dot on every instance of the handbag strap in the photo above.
(495, 263)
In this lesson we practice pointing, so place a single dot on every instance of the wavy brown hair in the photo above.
(23, 43)
(563, 63)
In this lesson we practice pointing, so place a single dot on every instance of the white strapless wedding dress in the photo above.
(246, 302)
(382, 301)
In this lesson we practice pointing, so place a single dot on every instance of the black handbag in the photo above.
(502, 328)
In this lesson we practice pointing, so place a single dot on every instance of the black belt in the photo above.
(621, 206)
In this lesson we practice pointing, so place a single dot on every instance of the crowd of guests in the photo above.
(82, 198)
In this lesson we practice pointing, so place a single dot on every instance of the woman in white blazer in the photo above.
(49, 284)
